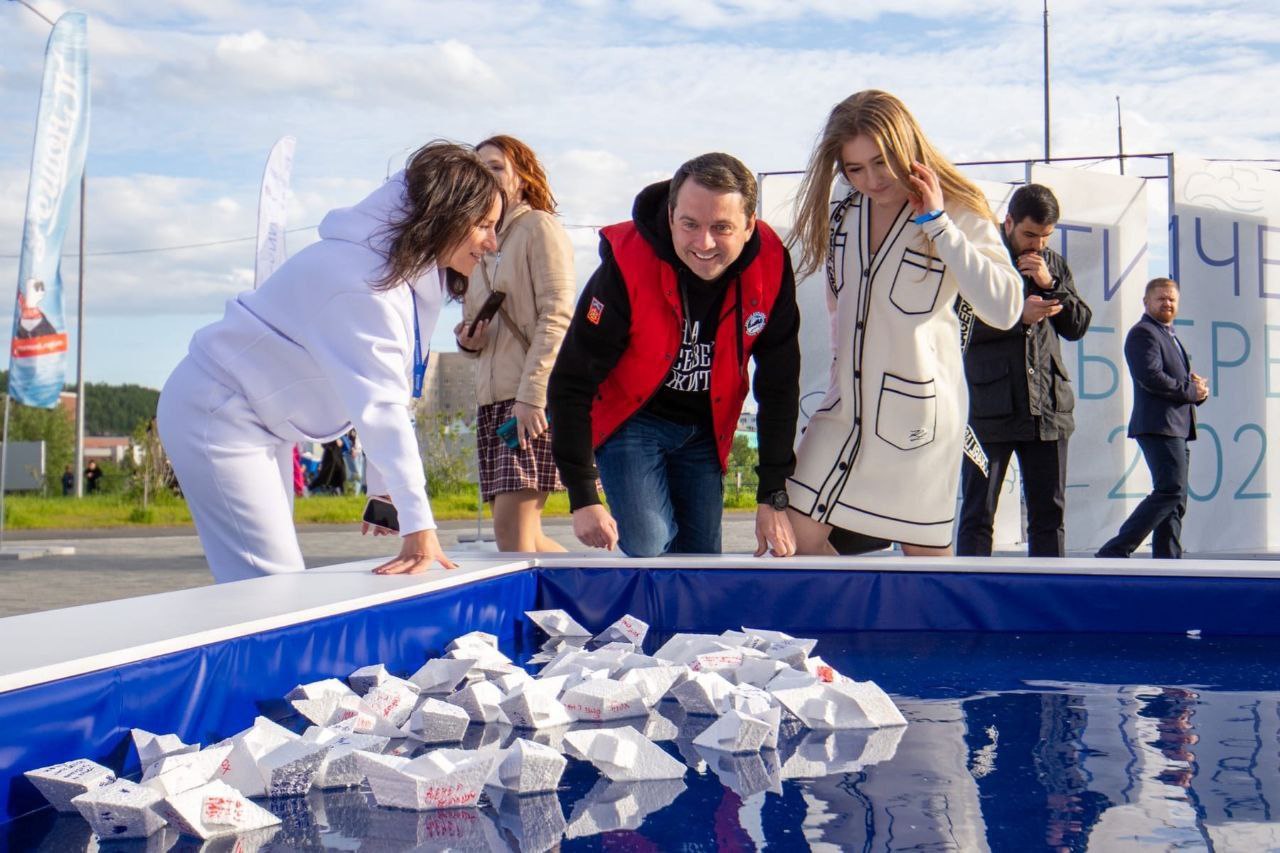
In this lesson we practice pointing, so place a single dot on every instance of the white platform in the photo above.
(40, 647)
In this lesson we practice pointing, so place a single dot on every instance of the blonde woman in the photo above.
(518, 346)
(881, 455)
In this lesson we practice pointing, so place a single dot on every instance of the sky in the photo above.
(189, 96)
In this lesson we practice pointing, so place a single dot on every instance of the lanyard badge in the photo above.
(419, 362)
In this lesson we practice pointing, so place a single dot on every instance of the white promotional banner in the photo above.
(38, 351)
(1103, 237)
(1225, 252)
(273, 210)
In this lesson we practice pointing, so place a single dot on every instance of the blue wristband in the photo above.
(927, 217)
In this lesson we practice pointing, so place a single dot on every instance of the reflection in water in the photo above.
(747, 774)
(1015, 743)
(611, 806)
(531, 823)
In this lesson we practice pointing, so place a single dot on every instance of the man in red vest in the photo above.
(652, 374)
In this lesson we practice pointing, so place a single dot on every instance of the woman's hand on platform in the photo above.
(418, 551)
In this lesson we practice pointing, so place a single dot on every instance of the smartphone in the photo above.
(487, 310)
(507, 432)
(380, 512)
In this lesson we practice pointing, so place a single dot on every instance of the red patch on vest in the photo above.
(594, 312)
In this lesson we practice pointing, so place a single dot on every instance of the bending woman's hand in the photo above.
(928, 192)
(417, 552)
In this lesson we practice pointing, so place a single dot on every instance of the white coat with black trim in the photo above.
(881, 455)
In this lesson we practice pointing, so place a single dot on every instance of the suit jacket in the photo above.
(1164, 398)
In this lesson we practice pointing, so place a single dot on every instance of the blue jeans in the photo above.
(664, 486)
(1160, 513)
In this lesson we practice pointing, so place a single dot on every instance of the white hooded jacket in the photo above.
(316, 349)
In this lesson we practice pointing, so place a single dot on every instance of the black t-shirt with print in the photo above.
(685, 395)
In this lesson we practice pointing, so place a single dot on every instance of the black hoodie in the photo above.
(592, 349)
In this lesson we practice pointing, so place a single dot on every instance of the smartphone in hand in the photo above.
(487, 310)
(380, 512)
(508, 433)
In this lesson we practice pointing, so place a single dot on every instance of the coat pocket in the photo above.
(907, 416)
(990, 392)
(1064, 399)
(916, 283)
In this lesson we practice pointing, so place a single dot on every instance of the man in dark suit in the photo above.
(1020, 398)
(1165, 394)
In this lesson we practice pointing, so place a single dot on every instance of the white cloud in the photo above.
(613, 94)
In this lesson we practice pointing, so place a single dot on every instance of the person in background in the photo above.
(516, 349)
(1020, 399)
(331, 479)
(299, 474)
(68, 481)
(881, 455)
(336, 338)
(651, 379)
(92, 474)
(353, 461)
(1165, 396)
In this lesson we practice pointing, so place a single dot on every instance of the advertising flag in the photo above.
(272, 210)
(39, 347)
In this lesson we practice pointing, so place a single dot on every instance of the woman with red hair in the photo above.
(516, 349)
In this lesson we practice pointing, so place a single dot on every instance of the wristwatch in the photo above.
(778, 500)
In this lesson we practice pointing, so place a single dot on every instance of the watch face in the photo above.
(778, 500)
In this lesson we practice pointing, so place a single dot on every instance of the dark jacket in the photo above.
(600, 333)
(1164, 398)
(1019, 387)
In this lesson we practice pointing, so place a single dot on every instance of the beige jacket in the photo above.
(534, 267)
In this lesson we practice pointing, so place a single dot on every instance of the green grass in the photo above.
(25, 512)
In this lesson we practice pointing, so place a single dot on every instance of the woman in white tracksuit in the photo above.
(337, 337)
(881, 455)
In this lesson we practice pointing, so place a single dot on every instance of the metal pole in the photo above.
(1120, 134)
(37, 11)
(1046, 81)
(80, 400)
(4, 459)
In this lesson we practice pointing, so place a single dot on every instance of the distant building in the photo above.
(115, 448)
(67, 403)
(450, 387)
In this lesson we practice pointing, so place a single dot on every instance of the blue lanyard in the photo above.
(419, 363)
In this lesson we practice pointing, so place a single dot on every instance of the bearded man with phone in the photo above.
(1020, 397)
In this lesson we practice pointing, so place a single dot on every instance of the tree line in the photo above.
(111, 410)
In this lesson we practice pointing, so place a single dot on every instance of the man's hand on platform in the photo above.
(773, 532)
(595, 527)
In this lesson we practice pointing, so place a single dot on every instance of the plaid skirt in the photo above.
(505, 470)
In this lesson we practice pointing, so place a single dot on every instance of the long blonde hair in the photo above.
(886, 120)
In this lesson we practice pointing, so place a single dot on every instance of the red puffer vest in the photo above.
(656, 323)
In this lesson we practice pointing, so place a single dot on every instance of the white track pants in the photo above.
(237, 477)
